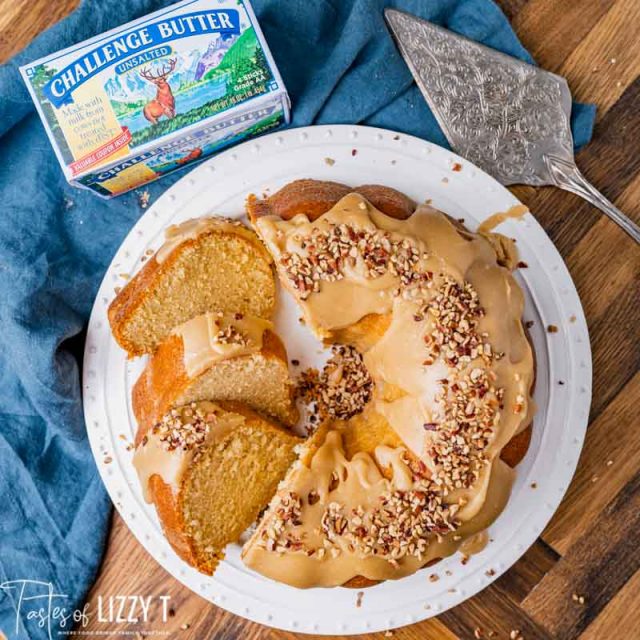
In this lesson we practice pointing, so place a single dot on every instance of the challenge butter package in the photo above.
(137, 102)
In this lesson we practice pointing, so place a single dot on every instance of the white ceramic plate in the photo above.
(353, 155)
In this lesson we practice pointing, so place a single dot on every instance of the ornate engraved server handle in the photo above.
(567, 176)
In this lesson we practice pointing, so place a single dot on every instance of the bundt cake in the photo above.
(210, 469)
(437, 314)
(205, 264)
(217, 356)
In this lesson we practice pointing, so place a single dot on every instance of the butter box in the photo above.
(166, 90)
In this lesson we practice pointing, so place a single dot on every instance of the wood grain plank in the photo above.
(619, 619)
(512, 8)
(551, 30)
(609, 460)
(596, 567)
(22, 20)
(617, 354)
(491, 612)
(595, 270)
(517, 583)
(605, 61)
(609, 289)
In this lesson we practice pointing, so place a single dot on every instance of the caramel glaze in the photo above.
(516, 212)
(416, 390)
(216, 336)
(176, 234)
(155, 456)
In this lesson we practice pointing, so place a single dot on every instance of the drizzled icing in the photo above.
(216, 336)
(168, 448)
(312, 534)
(176, 234)
(516, 212)
(457, 359)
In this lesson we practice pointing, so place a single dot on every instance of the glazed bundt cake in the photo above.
(205, 264)
(217, 356)
(210, 469)
(438, 316)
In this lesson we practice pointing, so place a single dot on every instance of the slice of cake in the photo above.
(210, 469)
(376, 516)
(205, 264)
(217, 356)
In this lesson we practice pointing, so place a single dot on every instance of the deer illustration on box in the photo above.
(164, 103)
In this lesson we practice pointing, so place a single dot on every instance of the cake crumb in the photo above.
(184, 626)
(456, 167)
(572, 319)
(515, 635)
(445, 180)
(577, 598)
(108, 460)
(329, 161)
(434, 577)
(528, 324)
(295, 362)
(490, 573)
(388, 633)
(359, 597)
(354, 152)
(477, 633)
(522, 265)
(534, 485)
(552, 328)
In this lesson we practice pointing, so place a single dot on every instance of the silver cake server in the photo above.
(508, 117)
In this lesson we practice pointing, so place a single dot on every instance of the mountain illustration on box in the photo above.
(188, 86)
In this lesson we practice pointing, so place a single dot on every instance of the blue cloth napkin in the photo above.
(339, 65)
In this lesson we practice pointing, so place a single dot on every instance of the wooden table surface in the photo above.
(590, 549)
